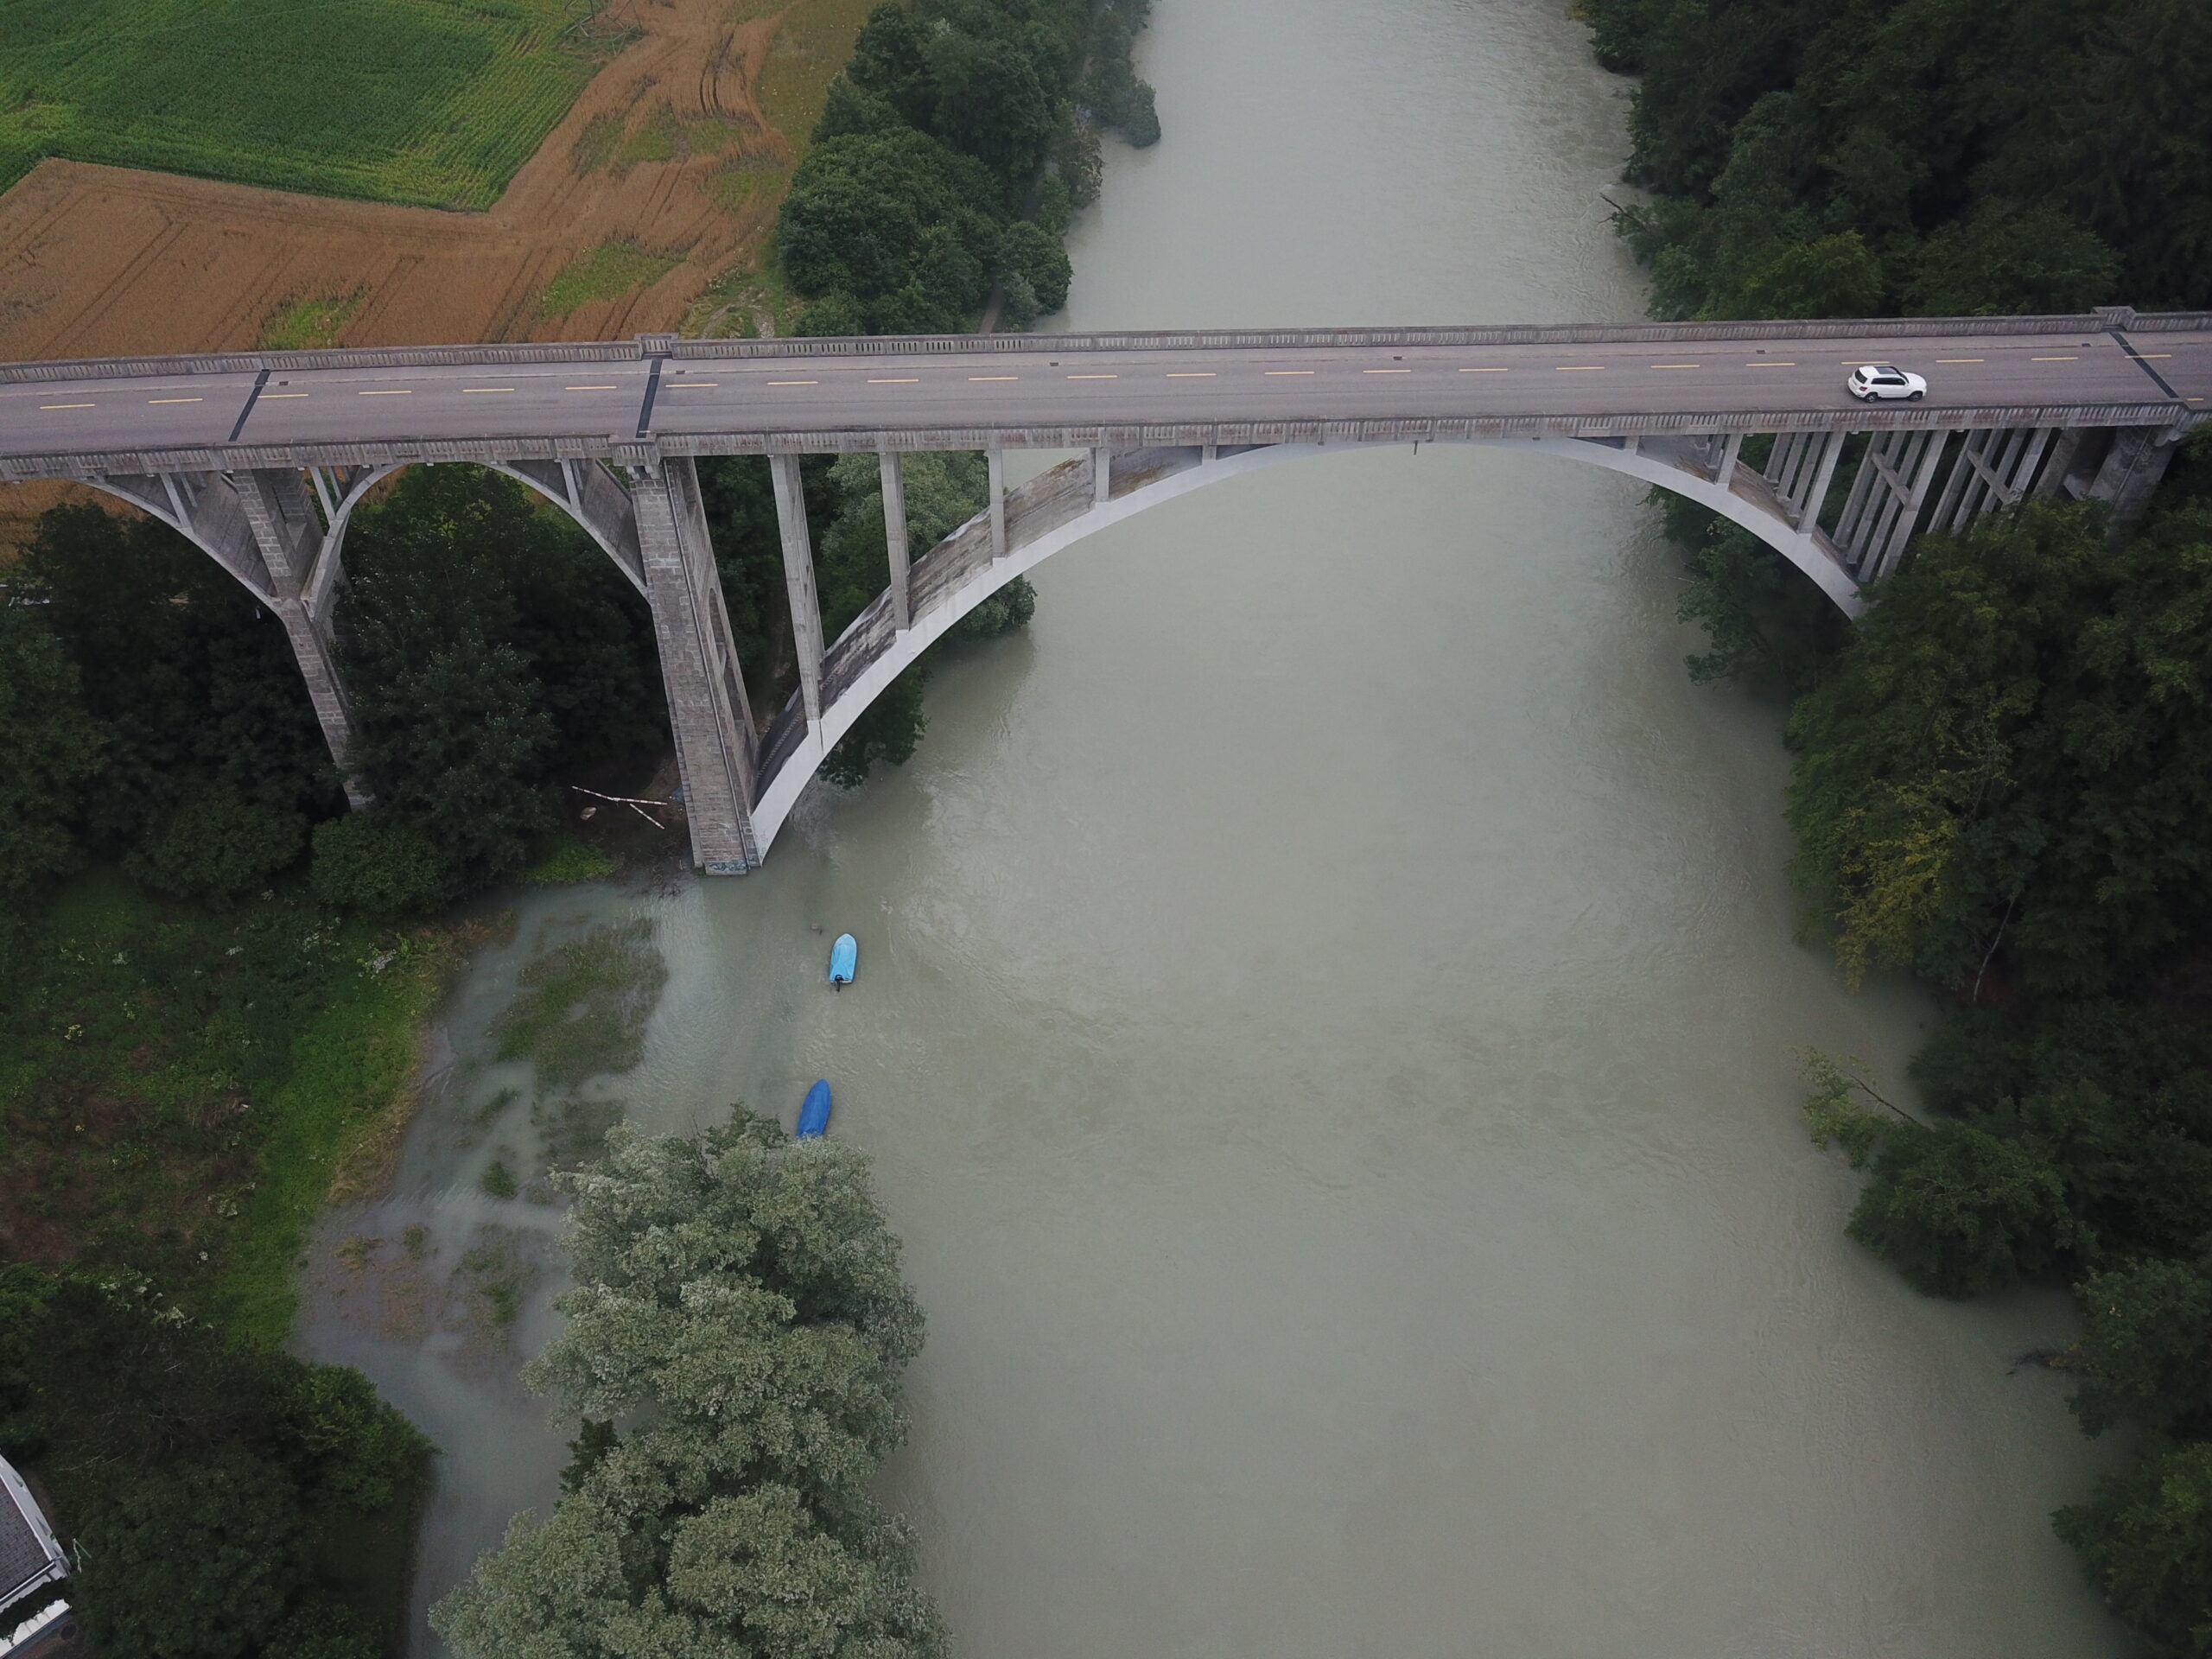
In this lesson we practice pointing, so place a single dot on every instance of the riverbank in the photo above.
(1954, 817)
(181, 1092)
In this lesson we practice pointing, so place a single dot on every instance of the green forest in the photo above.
(2002, 773)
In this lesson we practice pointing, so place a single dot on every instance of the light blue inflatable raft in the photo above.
(844, 957)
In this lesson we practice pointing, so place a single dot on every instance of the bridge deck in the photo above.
(703, 397)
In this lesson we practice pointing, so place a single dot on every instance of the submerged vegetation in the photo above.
(2002, 773)
(582, 1006)
(739, 1310)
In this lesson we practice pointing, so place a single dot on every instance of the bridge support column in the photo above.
(291, 543)
(2138, 459)
(799, 582)
(1816, 488)
(707, 710)
(894, 538)
(1889, 543)
(995, 458)
(1101, 476)
(1724, 476)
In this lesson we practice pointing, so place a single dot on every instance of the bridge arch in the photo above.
(953, 578)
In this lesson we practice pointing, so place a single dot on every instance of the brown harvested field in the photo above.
(661, 184)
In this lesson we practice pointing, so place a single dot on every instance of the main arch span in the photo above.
(260, 459)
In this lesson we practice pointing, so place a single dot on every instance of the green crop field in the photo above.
(432, 102)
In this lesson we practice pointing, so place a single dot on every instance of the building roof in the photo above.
(29, 1556)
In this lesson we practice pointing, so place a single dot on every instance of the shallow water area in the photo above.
(1326, 1019)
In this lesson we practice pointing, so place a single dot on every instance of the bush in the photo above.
(217, 846)
(373, 863)
(2147, 1540)
(1009, 608)
(1032, 253)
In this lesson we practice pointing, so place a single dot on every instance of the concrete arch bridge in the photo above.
(260, 459)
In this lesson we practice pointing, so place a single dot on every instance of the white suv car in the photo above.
(1873, 380)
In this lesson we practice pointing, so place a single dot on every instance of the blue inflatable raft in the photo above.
(844, 957)
(814, 1116)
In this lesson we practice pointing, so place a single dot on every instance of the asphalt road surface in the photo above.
(1046, 384)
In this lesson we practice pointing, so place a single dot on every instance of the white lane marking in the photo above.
(1386, 371)
(589, 388)
(2143, 357)
(2054, 359)
(1485, 370)
(1094, 377)
(975, 378)
(1677, 365)
(1958, 359)
(1578, 368)
(472, 391)
(1772, 365)
(1288, 371)
(396, 391)
(689, 385)
(1191, 374)
(794, 383)
(266, 396)
(67, 405)
(909, 380)
(176, 400)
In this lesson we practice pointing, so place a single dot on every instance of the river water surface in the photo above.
(1325, 1020)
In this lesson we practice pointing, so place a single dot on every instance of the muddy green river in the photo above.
(1326, 1025)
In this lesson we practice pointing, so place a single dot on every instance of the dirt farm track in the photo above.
(675, 155)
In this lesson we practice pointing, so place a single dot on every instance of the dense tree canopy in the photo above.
(1983, 155)
(949, 155)
(738, 1298)
(488, 646)
(211, 1489)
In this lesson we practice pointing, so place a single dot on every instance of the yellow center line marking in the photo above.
(2151, 355)
(1190, 374)
(266, 396)
(176, 400)
(1094, 377)
(1485, 370)
(910, 380)
(66, 405)
(473, 390)
(1958, 359)
(2054, 359)
(1771, 365)
(974, 377)
(680, 385)
(1386, 371)
(1677, 365)
(1280, 371)
(395, 392)
(587, 388)
(1578, 368)
(778, 382)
